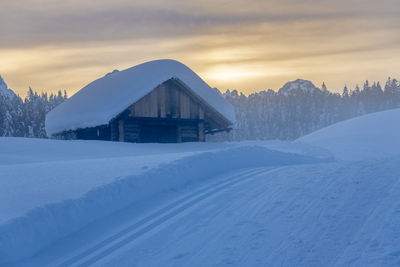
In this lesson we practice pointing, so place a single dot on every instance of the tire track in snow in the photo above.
(145, 225)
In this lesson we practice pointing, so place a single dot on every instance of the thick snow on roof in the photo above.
(102, 100)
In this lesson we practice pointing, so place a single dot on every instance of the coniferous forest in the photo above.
(26, 117)
(300, 108)
(297, 109)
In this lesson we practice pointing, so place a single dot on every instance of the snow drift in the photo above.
(26, 235)
(370, 136)
(49, 171)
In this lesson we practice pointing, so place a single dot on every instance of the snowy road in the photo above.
(334, 214)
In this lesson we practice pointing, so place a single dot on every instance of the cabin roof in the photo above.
(103, 99)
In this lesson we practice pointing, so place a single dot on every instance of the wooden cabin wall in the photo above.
(155, 130)
(173, 100)
(131, 132)
(167, 114)
(188, 133)
(114, 131)
(167, 101)
(94, 133)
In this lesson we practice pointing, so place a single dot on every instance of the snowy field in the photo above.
(328, 199)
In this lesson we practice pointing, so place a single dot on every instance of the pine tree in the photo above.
(345, 93)
(323, 87)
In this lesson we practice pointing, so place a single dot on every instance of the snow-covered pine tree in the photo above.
(10, 112)
(25, 118)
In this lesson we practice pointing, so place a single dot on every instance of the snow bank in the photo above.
(15, 150)
(105, 98)
(23, 236)
(370, 136)
(48, 171)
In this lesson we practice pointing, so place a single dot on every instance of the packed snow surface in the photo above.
(84, 203)
(105, 98)
(67, 184)
(370, 136)
(47, 171)
(341, 214)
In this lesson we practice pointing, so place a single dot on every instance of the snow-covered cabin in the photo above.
(158, 101)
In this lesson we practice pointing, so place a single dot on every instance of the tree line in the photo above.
(265, 115)
(287, 115)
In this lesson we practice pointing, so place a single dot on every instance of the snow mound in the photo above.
(102, 100)
(4, 90)
(375, 135)
(298, 85)
(45, 224)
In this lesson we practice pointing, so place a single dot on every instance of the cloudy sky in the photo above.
(246, 45)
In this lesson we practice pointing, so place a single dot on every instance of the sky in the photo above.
(249, 45)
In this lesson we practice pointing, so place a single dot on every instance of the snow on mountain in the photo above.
(4, 90)
(298, 85)
(369, 136)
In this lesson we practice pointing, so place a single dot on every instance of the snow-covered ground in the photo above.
(309, 215)
(51, 188)
(370, 136)
(48, 171)
(330, 198)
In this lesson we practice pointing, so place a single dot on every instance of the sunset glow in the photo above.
(249, 46)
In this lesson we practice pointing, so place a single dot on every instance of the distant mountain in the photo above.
(4, 90)
(298, 85)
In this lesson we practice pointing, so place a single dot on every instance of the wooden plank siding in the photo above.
(121, 130)
(167, 101)
(114, 131)
(132, 131)
(189, 133)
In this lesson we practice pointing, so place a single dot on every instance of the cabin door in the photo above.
(159, 134)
